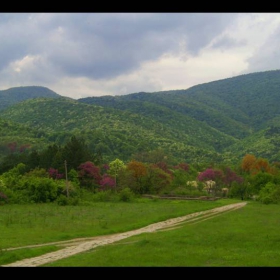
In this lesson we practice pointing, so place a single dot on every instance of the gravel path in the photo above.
(80, 245)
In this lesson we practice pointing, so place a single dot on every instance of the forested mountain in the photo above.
(118, 133)
(219, 121)
(237, 106)
(14, 95)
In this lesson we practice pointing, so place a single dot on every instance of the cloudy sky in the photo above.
(94, 54)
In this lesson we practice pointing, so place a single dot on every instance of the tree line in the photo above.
(63, 173)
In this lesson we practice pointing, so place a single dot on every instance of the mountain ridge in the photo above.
(211, 121)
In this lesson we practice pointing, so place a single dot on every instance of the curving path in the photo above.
(80, 245)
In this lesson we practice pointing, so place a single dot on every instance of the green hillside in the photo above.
(119, 133)
(14, 95)
(243, 107)
(213, 122)
(236, 106)
(264, 143)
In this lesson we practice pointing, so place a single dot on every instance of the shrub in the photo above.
(41, 189)
(106, 195)
(183, 191)
(63, 200)
(126, 195)
(270, 194)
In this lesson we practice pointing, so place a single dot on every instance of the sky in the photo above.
(89, 54)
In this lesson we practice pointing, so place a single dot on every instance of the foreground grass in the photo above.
(23, 225)
(246, 237)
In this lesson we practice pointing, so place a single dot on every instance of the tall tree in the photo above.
(248, 163)
(115, 167)
(76, 152)
(47, 156)
(33, 160)
(138, 171)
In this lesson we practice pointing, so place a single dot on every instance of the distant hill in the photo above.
(14, 95)
(218, 122)
(244, 107)
(236, 106)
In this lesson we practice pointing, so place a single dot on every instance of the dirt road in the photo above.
(76, 246)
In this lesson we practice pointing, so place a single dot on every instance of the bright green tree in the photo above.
(115, 167)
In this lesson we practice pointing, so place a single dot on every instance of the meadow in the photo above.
(245, 237)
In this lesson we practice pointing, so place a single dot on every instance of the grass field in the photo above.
(245, 237)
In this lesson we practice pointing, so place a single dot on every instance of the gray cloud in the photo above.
(104, 45)
(113, 49)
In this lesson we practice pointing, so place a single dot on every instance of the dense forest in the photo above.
(161, 140)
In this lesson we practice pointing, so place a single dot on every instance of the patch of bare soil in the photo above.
(79, 245)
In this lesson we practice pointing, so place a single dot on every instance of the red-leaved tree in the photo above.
(230, 177)
(211, 174)
(107, 182)
(89, 175)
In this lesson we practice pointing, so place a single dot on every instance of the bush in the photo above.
(63, 200)
(270, 194)
(183, 191)
(41, 189)
(107, 195)
(126, 195)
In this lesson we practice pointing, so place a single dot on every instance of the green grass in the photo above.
(245, 237)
